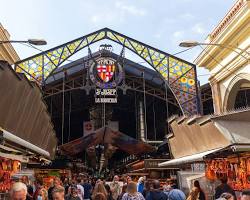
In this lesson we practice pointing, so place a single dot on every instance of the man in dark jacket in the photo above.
(156, 193)
(223, 188)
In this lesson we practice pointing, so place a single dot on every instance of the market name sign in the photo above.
(106, 96)
(106, 73)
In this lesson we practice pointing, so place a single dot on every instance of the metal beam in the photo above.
(182, 74)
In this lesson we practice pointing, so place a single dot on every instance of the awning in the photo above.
(187, 159)
(9, 137)
(24, 115)
(107, 136)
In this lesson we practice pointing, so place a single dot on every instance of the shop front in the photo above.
(207, 148)
(26, 131)
(192, 168)
(47, 175)
(234, 166)
(151, 170)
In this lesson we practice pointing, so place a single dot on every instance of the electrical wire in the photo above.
(182, 51)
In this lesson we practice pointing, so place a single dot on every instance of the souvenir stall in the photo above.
(235, 167)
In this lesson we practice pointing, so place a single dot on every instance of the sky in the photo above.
(162, 24)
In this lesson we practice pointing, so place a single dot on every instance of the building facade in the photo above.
(228, 63)
(7, 52)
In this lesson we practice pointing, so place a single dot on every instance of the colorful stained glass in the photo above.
(179, 74)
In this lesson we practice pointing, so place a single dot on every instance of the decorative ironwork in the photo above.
(179, 74)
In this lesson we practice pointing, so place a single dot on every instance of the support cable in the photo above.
(166, 90)
(136, 117)
(51, 106)
(154, 118)
(145, 108)
(63, 101)
(69, 134)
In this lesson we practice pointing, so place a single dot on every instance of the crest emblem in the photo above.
(105, 72)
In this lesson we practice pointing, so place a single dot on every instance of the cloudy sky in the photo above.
(159, 23)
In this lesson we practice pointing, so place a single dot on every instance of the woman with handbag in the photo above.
(196, 192)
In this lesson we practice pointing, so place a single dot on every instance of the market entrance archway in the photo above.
(178, 74)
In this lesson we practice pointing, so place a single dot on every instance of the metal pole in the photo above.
(63, 109)
(228, 47)
(145, 107)
(69, 115)
(104, 122)
(13, 41)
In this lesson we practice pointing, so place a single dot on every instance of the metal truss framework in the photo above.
(132, 83)
(179, 74)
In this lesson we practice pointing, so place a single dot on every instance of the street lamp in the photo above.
(195, 43)
(30, 41)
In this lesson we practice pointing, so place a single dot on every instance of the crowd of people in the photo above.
(84, 188)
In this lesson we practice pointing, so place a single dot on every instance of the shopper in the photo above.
(42, 194)
(99, 188)
(73, 194)
(18, 191)
(175, 194)
(223, 188)
(115, 187)
(124, 190)
(110, 196)
(87, 189)
(58, 193)
(226, 196)
(132, 193)
(38, 187)
(194, 194)
(55, 184)
(140, 185)
(80, 189)
(146, 189)
(66, 185)
(100, 196)
(245, 195)
(30, 191)
(197, 192)
(156, 193)
(129, 179)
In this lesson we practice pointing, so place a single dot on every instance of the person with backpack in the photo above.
(156, 193)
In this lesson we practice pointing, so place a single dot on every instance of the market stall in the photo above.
(235, 167)
(8, 168)
(151, 170)
(47, 175)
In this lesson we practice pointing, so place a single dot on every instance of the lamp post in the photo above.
(29, 41)
(233, 48)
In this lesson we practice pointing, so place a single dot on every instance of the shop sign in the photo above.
(153, 163)
(198, 167)
(105, 96)
(106, 74)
